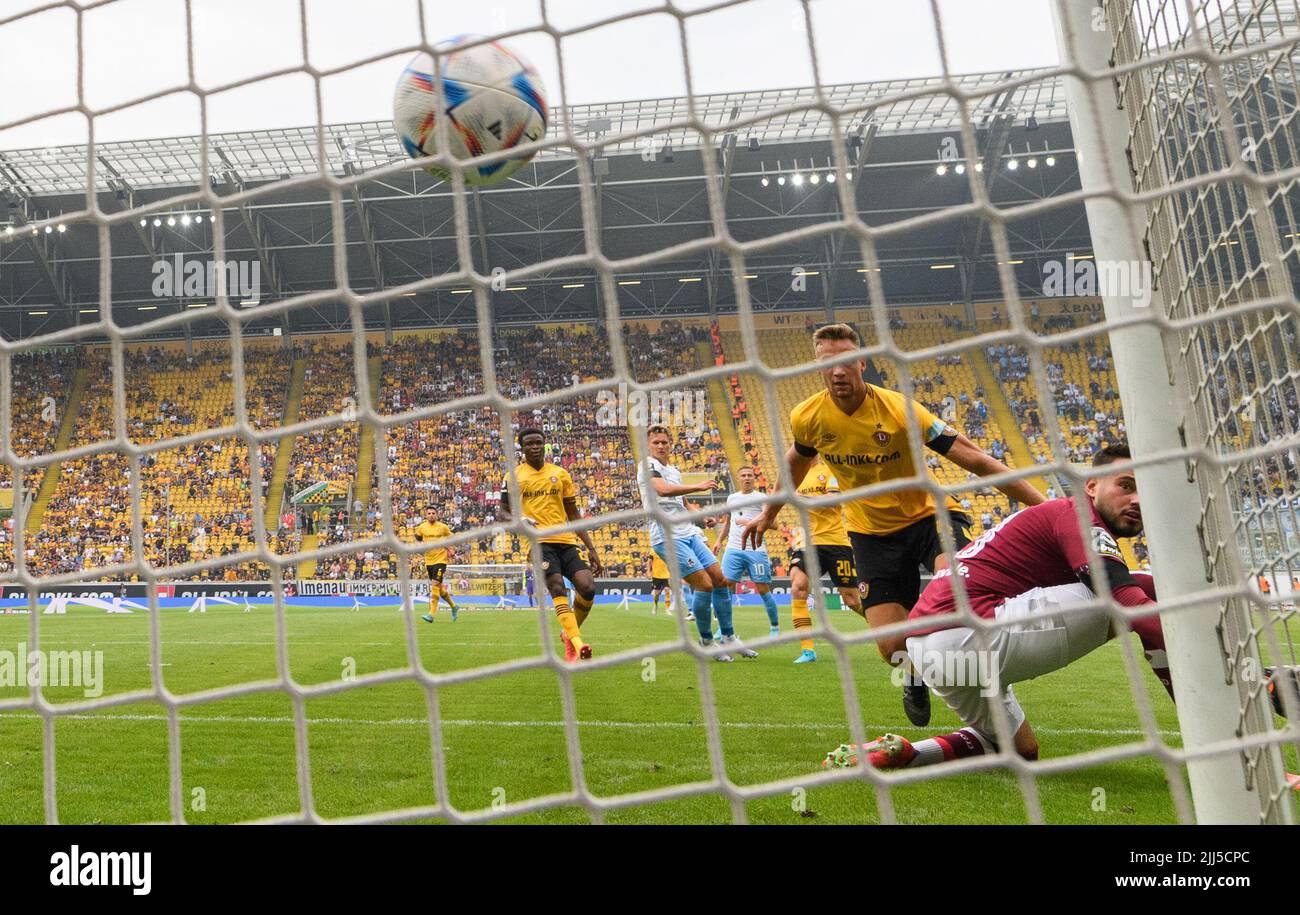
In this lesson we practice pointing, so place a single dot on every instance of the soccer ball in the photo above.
(494, 100)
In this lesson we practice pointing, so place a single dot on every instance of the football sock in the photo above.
(722, 607)
(700, 603)
(567, 621)
(581, 607)
(1152, 635)
(769, 604)
(957, 745)
(802, 620)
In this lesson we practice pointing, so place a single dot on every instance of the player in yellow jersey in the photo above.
(657, 569)
(861, 432)
(547, 495)
(834, 555)
(435, 562)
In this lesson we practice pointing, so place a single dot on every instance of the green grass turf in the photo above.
(371, 749)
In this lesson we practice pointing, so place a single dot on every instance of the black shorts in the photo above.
(565, 559)
(436, 571)
(658, 584)
(835, 561)
(889, 565)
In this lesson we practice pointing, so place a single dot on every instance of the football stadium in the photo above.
(512, 447)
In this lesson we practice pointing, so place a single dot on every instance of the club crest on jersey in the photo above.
(555, 479)
(882, 438)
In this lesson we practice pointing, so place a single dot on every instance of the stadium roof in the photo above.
(652, 194)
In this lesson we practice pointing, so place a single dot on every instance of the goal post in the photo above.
(1124, 147)
(491, 582)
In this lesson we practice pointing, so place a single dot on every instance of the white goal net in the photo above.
(1189, 169)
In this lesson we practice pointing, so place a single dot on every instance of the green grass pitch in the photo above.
(370, 747)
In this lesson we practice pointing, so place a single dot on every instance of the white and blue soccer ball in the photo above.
(494, 100)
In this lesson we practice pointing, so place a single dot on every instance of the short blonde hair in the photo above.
(836, 332)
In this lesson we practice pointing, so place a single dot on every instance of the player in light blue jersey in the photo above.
(662, 488)
(737, 562)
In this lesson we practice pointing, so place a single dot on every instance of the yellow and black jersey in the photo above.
(543, 492)
(827, 523)
(871, 446)
(435, 531)
(658, 568)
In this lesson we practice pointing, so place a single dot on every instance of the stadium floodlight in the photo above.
(198, 217)
(144, 222)
(979, 166)
(1013, 164)
(62, 227)
(186, 219)
(171, 220)
(814, 178)
(1032, 162)
(1050, 161)
(157, 222)
(797, 178)
(49, 230)
(960, 168)
(941, 169)
(764, 181)
(780, 179)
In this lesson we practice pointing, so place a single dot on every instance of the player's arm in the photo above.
(503, 511)
(967, 455)
(573, 514)
(1126, 589)
(723, 531)
(799, 459)
(664, 488)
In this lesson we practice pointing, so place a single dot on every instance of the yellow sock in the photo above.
(581, 607)
(568, 622)
(802, 620)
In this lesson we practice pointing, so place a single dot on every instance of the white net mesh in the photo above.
(1213, 136)
(1231, 322)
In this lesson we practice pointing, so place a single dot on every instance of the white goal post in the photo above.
(1139, 133)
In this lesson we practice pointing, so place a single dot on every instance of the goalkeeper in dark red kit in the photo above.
(1031, 565)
